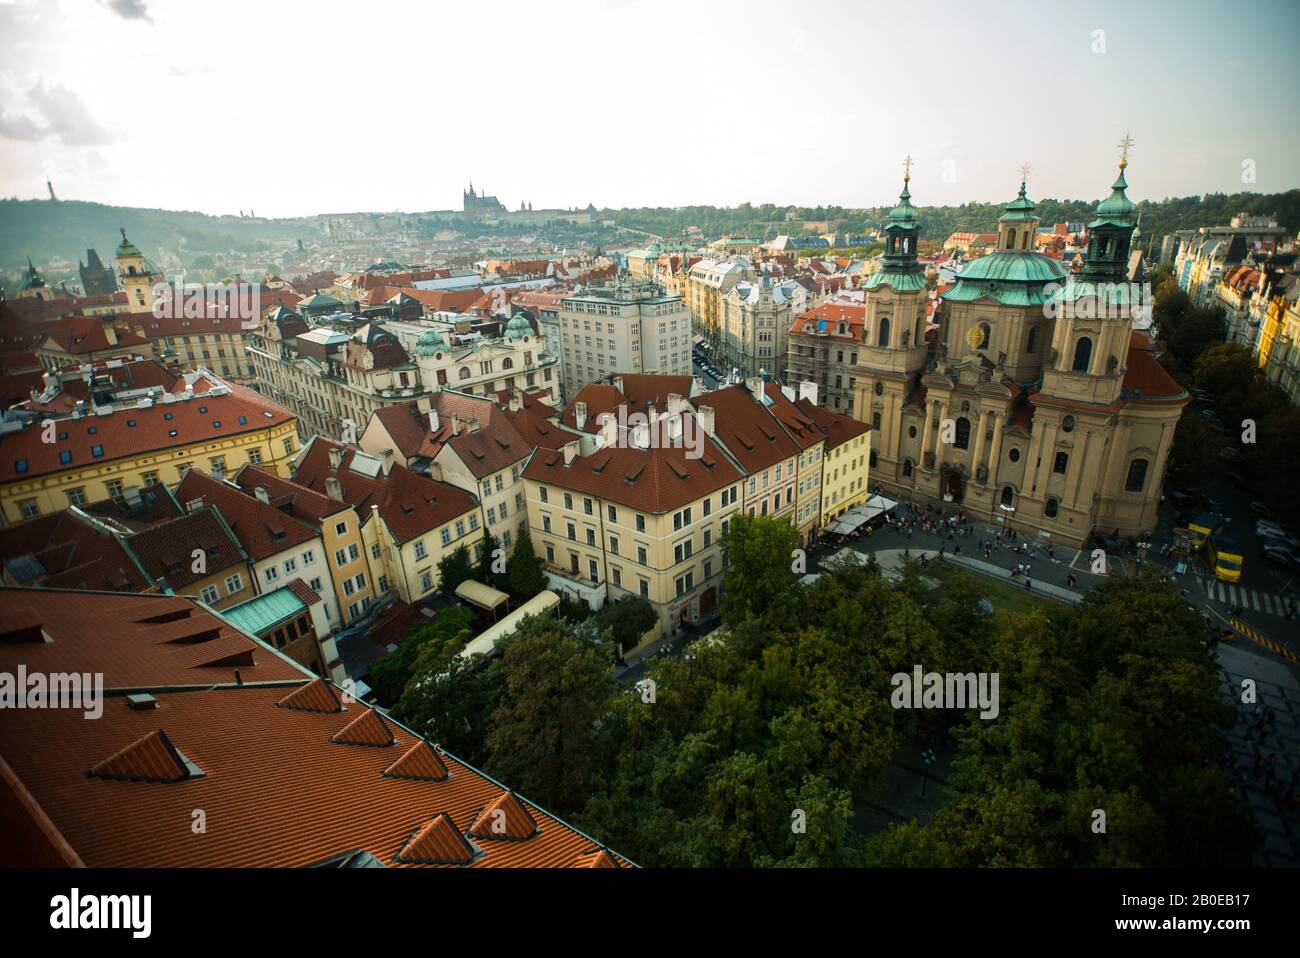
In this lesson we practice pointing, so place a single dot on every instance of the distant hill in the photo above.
(45, 229)
(768, 220)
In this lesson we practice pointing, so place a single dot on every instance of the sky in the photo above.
(287, 108)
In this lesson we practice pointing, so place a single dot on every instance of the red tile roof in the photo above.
(284, 793)
(651, 480)
(410, 504)
(1145, 374)
(832, 314)
(129, 432)
(167, 550)
(746, 428)
(67, 550)
(836, 428)
(91, 334)
(261, 529)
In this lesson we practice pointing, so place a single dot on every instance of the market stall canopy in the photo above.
(483, 596)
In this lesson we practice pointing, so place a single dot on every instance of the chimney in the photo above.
(424, 404)
(707, 421)
(618, 383)
(388, 457)
(455, 424)
(516, 401)
(676, 404)
(608, 431)
(641, 436)
(434, 422)
(570, 452)
(435, 471)
(755, 385)
(808, 391)
(239, 679)
(263, 496)
(336, 458)
(334, 489)
(580, 413)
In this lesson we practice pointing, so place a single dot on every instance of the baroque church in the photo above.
(1040, 405)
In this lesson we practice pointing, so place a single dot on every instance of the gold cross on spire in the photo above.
(1124, 146)
(907, 168)
(1024, 172)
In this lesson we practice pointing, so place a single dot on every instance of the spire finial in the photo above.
(907, 168)
(1024, 173)
(1125, 145)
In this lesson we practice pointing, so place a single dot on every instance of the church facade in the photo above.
(1041, 405)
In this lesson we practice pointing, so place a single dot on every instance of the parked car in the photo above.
(1279, 540)
(1269, 524)
(1282, 557)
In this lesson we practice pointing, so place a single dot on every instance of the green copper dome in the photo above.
(1117, 208)
(904, 214)
(1013, 268)
(126, 247)
(1020, 209)
(430, 343)
(519, 327)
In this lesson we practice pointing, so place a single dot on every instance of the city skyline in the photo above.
(84, 104)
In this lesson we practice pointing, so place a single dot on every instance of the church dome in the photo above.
(519, 327)
(429, 343)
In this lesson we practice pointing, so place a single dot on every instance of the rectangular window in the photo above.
(271, 574)
(617, 574)
(460, 528)
(421, 551)
(644, 588)
(340, 557)
(234, 584)
(640, 523)
(114, 487)
(254, 456)
(210, 594)
(613, 513)
(613, 544)
(77, 497)
(354, 552)
(150, 478)
(308, 558)
(290, 565)
(426, 581)
(341, 528)
(642, 556)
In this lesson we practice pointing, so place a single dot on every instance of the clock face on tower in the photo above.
(975, 336)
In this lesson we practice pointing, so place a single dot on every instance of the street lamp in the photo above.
(927, 759)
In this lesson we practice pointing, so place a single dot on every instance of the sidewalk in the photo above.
(891, 560)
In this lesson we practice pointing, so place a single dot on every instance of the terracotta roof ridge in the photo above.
(314, 696)
(596, 858)
(421, 763)
(151, 758)
(368, 729)
(505, 820)
(437, 842)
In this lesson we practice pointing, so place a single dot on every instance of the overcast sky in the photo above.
(293, 108)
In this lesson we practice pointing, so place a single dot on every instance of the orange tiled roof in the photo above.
(261, 529)
(746, 428)
(130, 432)
(284, 793)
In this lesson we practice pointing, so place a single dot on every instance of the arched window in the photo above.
(1062, 463)
(1008, 497)
(1011, 238)
(464, 372)
(1137, 476)
(963, 433)
(507, 363)
(1082, 354)
(907, 467)
(1031, 345)
(884, 331)
(1024, 240)
(985, 333)
(1052, 508)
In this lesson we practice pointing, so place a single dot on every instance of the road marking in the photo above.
(1269, 644)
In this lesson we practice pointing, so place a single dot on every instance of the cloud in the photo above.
(59, 115)
(128, 9)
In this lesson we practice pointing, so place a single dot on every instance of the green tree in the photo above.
(453, 569)
(760, 555)
(525, 576)
(450, 628)
(627, 619)
(544, 738)
(450, 698)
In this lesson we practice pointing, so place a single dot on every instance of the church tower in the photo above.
(139, 276)
(1094, 312)
(891, 353)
